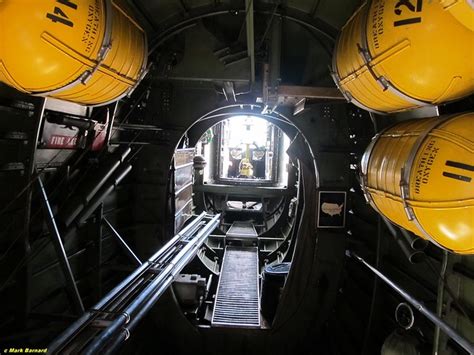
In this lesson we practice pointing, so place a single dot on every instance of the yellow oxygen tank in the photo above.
(85, 51)
(396, 55)
(420, 175)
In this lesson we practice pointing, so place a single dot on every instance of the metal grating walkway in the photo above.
(242, 231)
(237, 300)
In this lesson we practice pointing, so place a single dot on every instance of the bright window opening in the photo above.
(245, 149)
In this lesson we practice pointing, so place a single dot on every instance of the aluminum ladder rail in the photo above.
(110, 321)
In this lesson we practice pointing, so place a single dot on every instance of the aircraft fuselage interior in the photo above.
(226, 177)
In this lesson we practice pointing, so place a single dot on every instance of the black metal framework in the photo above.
(438, 322)
(173, 28)
(106, 325)
(61, 253)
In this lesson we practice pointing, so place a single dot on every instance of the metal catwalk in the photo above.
(242, 231)
(237, 300)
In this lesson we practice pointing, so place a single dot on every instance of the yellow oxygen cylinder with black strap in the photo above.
(420, 175)
(394, 55)
(84, 51)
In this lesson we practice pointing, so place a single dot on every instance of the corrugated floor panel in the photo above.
(237, 300)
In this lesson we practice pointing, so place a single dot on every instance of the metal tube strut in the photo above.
(440, 301)
(250, 37)
(446, 328)
(58, 245)
(122, 243)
